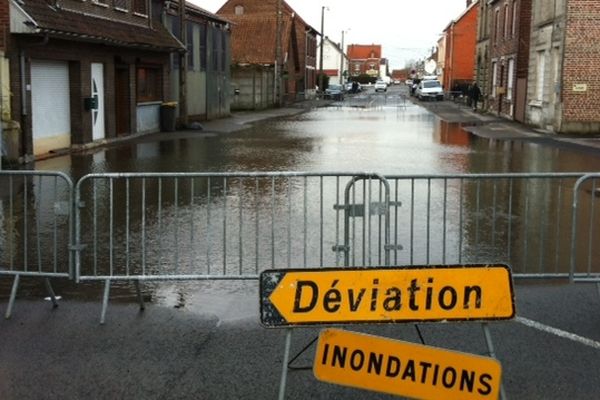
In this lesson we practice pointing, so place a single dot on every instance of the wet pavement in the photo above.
(169, 352)
(203, 340)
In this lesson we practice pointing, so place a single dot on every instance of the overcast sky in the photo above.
(405, 29)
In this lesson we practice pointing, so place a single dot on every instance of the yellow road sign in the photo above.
(445, 293)
(404, 369)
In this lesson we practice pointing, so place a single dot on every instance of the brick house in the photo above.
(254, 42)
(510, 25)
(459, 48)
(84, 71)
(365, 60)
(563, 62)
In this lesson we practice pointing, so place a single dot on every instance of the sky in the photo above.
(405, 29)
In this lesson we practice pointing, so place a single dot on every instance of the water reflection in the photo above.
(228, 226)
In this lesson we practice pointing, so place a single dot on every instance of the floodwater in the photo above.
(231, 226)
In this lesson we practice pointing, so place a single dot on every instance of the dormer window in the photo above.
(239, 10)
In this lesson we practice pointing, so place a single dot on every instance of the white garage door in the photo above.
(51, 111)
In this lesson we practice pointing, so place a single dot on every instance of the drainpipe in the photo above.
(562, 66)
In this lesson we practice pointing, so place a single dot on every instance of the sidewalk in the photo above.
(241, 119)
(237, 121)
(493, 127)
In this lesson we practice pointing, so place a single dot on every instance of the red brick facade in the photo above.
(4, 24)
(365, 60)
(581, 80)
(461, 38)
(509, 23)
(254, 41)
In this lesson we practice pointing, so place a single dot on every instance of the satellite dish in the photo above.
(430, 66)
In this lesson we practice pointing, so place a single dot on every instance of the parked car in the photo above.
(380, 86)
(334, 92)
(430, 89)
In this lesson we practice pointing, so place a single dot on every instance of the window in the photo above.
(121, 4)
(511, 80)
(494, 78)
(190, 45)
(541, 69)
(239, 10)
(496, 25)
(140, 7)
(216, 49)
(223, 51)
(203, 47)
(514, 18)
(506, 20)
(149, 83)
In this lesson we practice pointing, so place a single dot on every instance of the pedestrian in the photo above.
(475, 95)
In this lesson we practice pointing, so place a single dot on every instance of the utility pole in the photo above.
(183, 114)
(342, 61)
(278, 95)
(322, 45)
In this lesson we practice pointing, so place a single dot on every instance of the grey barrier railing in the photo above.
(35, 228)
(584, 252)
(202, 226)
(230, 226)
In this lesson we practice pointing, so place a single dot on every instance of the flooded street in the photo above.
(362, 135)
(231, 220)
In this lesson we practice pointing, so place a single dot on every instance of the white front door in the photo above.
(98, 131)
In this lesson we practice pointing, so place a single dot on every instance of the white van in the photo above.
(430, 89)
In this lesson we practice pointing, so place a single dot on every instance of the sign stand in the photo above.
(285, 364)
(491, 352)
(292, 298)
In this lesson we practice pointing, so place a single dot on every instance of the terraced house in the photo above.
(83, 71)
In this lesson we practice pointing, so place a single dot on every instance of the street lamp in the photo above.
(323, 8)
(342, 58)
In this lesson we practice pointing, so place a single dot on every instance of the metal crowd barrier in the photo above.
(35, 228)
(519, 219)
(584, 252)
(231, 226)
(202, 226)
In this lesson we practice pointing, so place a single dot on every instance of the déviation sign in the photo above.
(379, 295)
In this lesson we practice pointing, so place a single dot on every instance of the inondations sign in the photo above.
(404, 369)
(374, 295)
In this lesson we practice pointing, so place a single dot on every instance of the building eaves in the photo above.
(74, 25)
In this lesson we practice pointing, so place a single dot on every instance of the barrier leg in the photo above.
(105, 301)
(139, 295)
(284, 368)
(492, 353)
(51, 292)
(13, 295)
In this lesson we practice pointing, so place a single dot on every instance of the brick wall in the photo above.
(503, 48)
(581, 61)
(459, 62)
(4, 24)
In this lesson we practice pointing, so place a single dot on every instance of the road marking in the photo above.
(559, 332)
